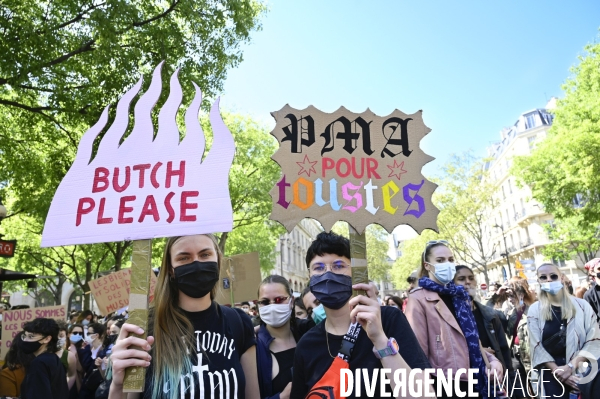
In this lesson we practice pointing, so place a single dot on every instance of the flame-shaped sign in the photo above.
(146, 186)
(361, 168)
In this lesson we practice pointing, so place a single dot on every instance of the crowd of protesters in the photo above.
(291, 345)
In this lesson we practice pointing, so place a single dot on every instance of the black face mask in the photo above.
(112, 338)
(197, 278)
(29, 347)
(331, 289)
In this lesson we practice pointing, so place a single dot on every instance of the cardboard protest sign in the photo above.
(360, 168)
(146, 186)
(111, 292)
(240, 275)
(14, 320)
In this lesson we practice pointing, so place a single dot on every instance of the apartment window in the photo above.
(509, 187)
(531, 141)
(515, 212)
(530, 121)
(578, 201)
(503, 193)
(507, 218)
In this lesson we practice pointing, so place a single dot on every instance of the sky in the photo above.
(472, 66)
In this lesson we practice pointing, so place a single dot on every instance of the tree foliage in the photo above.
(566, 165)
(63, 62)
(572, 238)
(466, 199)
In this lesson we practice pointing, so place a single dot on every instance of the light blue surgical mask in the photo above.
(318, 314)
(552, 287)
(444, 272)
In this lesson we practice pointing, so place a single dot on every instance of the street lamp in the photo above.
(505, 254)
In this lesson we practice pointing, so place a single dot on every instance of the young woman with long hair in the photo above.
(277, 337)
(440, 314)
(75, 342)
(196, 346)
(15, 366)
(563, 334)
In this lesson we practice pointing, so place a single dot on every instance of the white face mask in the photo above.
(552, 288)
(62, 342)
(85, 322)
(275, 315)
(89, 339)
(444, 272)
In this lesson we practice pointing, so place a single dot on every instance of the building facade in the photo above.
(291, 253)
(518, 232)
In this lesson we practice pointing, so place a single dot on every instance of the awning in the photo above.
(10, 275)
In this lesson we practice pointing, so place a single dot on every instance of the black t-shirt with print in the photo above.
(313, 358)
(222, 336)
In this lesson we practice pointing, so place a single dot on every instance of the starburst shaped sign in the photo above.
(361, 168)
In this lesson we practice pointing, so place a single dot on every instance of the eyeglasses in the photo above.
(277, 301)
(77, 332)
(337, 267)
(553, 277)
(28, 336)
(432, 243)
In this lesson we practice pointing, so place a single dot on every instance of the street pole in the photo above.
(505, 250)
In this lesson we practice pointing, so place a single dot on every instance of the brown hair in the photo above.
(173, 333)
(520, 286)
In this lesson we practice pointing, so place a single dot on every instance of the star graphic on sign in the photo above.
(396, 170)
(306, 166)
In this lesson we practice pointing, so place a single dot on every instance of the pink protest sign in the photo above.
(14, 320)
(111, 292)
(147, 186)
(361, 168)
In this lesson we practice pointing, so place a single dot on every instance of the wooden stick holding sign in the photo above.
(145, 186)
(139, 290)
(358, 253)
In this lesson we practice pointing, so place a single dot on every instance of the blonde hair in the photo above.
(567, 308)
(173, 333)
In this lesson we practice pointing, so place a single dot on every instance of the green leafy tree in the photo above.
(566, 165)
(467, 204)
(411, 258)
(64, 61)
(572, 238)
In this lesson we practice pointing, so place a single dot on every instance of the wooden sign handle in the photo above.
(139, 289)
(358, 253)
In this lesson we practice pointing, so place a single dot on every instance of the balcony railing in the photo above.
(526, 243)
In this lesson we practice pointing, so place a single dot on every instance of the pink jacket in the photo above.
(438, 332)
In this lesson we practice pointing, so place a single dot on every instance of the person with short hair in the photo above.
(375, 347)
(245, 306)
(299, 309)
(45, 377)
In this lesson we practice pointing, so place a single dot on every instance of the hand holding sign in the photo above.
(147, 186)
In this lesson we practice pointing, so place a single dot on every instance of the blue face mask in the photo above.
(75, 338)
(318, 314)
(444, 272)
(552, 287)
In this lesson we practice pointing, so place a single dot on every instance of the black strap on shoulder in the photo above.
(348, 342)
